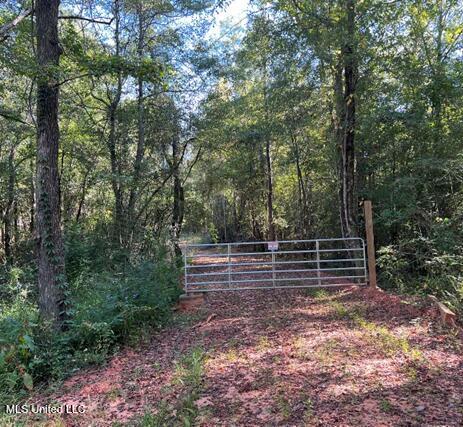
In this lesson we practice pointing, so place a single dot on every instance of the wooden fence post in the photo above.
(370, 243)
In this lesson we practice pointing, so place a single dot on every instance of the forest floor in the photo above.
(289, 357)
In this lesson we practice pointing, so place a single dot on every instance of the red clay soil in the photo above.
(285, 358)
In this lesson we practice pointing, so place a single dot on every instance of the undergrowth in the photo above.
(188, 378)
(425, 266)
(111, 304)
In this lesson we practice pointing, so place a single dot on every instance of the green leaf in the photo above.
(28, 382)
(29, 342)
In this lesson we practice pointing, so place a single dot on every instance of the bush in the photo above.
(424, 266)
(126, 300)
(109, 306)
(17, 346)
(392, 265)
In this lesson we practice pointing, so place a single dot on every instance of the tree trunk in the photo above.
(303, 200)
(16, 222)
(32, 200)
(82, 196)
(141, 127)
(116, 186)
(178, 199)
(51, 272)
(348, 201)
(119, 225)
(271, 236)
(438, 81)
(7, 217)
(271, 224)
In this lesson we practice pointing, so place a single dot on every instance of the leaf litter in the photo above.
(353, 357)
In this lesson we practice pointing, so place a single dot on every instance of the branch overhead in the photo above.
(8, 27)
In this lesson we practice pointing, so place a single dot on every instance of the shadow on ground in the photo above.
(284, 358)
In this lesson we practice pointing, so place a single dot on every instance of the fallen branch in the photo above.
(200, 324)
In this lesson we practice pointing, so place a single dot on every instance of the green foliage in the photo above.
(18, 321)
(277, 89)
(188, 377)
(391, 263)
(425, 266)
(126, 300)
(109, 308)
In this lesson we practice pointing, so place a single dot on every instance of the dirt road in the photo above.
(286, 358)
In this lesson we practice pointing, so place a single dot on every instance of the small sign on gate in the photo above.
(272, 246)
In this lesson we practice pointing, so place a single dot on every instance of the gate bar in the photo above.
(279, 241)
(256, 288)
(186, 275)
(276, 262)
(229, 266)
(279, 280)
(225, 265)
(218, 273)
(280, 252)
(317, 245)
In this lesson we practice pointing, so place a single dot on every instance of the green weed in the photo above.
(340, 311)
(325, 353)
(316, 294)
(188, 376)
(308, 410)
(160, 418)
(232, 355)
(284, 406)
(385, 405)
(380, 337)
(383, 339)
(343, 312)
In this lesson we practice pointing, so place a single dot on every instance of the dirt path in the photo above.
(268, 358)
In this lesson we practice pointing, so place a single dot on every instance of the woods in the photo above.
(130, 126)
(356, 97)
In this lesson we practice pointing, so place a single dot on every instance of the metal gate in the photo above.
(271, 265)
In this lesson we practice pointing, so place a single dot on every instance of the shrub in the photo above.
(392, 265)
(95, 337)
(17, 346)
(109, 306)
(126, 300)
(424, 266)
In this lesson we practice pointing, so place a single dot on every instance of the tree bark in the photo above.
(7, 217)
(271, 224)
(348, 201)
(271, 236)
(82, 196)
(51, 269)
(438, 77)
(112, 140)
(303, 199)
(140, 152)
(32, 200)
(178, 198)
